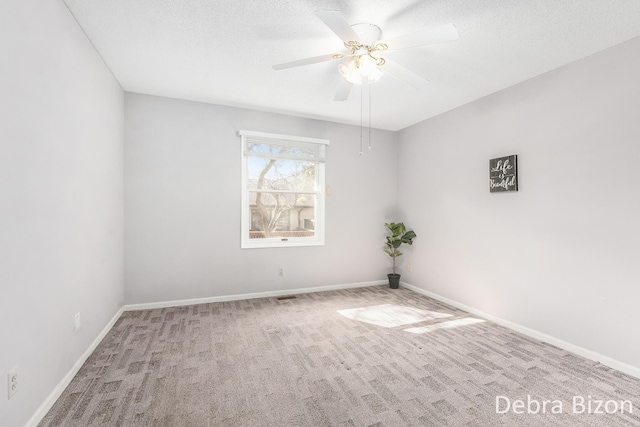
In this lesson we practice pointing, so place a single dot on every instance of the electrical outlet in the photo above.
(409, 267)
(281, 272)
(76, 320)
(12, 382)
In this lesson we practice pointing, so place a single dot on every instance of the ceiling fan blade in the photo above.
(403, 74)
(306, 61)
(336, 23)
(343, 90)
(442, 34)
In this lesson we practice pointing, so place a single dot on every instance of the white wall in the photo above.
(562, 255)
(182, 204)
(61, 198)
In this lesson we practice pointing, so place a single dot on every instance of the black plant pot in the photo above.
(394, 281)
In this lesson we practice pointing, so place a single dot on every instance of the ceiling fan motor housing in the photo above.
(369, 34)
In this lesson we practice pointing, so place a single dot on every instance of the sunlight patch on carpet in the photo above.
(390, 315)
(444, 325)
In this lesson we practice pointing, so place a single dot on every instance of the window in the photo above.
(282, 190)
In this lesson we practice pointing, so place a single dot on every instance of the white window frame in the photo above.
(277, 242)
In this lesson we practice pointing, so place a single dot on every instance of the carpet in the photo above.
(358, 357)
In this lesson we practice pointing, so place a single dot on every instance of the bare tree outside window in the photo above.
(284, 190)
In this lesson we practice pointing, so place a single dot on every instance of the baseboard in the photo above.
(581, 351)
(237, 297)
(64, 383)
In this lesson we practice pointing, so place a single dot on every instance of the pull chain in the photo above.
(369, 117)
(361, 123)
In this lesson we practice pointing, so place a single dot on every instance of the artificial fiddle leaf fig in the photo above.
(398, 236)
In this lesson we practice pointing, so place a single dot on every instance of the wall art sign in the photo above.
(503, 174)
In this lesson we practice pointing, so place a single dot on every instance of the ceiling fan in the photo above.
(363, 60)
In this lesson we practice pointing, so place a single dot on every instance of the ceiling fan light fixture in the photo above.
(349, 72)
(368, 67)
(361, 68)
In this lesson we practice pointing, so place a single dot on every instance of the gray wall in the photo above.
(182, 204)
(561, 256)
(61, 198)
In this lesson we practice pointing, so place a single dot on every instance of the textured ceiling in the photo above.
(221, 51)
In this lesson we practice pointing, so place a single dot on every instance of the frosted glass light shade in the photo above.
(360, 68)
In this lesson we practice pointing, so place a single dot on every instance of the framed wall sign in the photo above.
(503, 174)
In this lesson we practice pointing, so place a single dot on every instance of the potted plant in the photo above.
(398, 236)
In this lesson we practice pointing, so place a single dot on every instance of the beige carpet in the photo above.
(360, 357)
